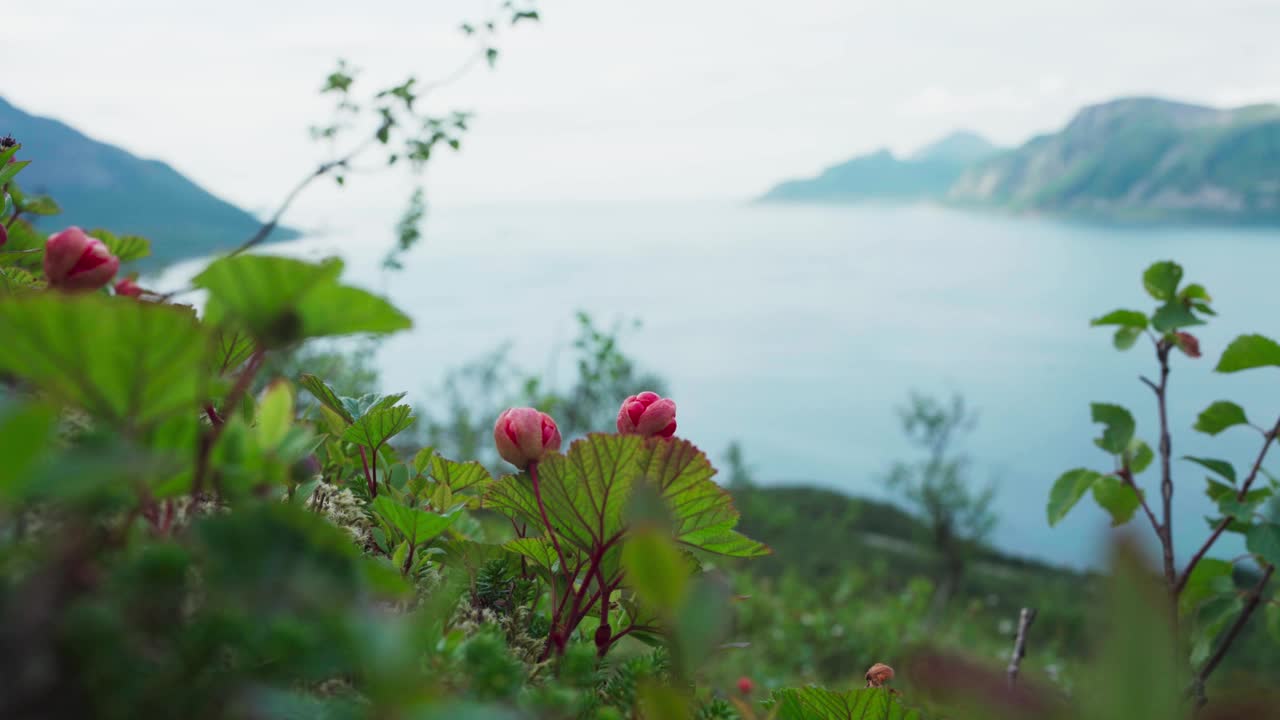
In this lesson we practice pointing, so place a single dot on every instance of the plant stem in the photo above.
(1268, 439)
(1251, 604)
(368, 479)
(210, 439)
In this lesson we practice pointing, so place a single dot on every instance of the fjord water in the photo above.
(796, 330)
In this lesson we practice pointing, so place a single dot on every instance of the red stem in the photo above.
(207, 442)
(368, 479)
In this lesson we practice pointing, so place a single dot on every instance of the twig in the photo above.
(1269, 438)
(1025, 618)
(1254, 597)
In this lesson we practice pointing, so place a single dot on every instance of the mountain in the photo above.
(883, 176)
(1141, 159)
(100, 185)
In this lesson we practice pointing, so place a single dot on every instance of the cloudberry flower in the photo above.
(524, 435)
(128, 287)
(745, 685)
(647, 414)
(76, 261)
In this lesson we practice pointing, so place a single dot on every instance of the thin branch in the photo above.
(210, 439)
(1251, 604)
(1166, 469)
(1269, 438)
(1025, 618)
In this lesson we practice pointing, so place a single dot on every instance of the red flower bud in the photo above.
(524, 435)
(75, 261)
(745, 686)
(1188, 344)
(647, 414)
(878, 675)
(128, 287)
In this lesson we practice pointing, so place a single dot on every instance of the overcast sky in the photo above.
(618, 100)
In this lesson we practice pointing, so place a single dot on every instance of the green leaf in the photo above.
(127, 248)
(1174, 315)
(1125, 337)
(1263, 540)
(230, 349)
(341, 310)
(261, 293)
(1209, 621)
(414, 524)
(1161, 280)
(275, 414)
(1247, 352)
(1124, 318)
(378, 426)
(10, 170)
(1195, 292)
(41, 205)
(585, 491)
(1138, 457)
(1119, 427)
(1220, 416)
(126, 362)
(1117, 498)
(1067, 491)
(1221, 467)
(458, 476)
(540, 551)
(814, 703)
(656, 570)
(16, 280)
(1209, 578)
(25, 434)
(325, 395)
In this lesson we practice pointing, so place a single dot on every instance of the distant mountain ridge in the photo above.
(1140, 159)
(883, 176)
(101, 185)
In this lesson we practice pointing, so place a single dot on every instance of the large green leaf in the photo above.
(1210, 578)
(127, 362)
(812, 703)
(458, 476)
(230, 349)
(1220, 416)
(1161, 280)
(1067, 491)
(417, 525)
(1247, 352)
(282, 300)
(1118, 430)
(1173, 315)
(378, 426)
(585, 492)
(25, 433)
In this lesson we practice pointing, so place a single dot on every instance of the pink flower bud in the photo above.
(647, 414)
(1188, 344)
(75, 261)
(128, 287)
(745, 685)
(524, 435)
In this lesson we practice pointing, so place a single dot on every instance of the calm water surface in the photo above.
(797, 330)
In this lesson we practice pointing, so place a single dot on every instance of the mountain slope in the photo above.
(100, 185)
(1141, 159)
(882, 176)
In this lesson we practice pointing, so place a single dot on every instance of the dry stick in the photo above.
(1025, 618)
(1268, 439)
(1251, 604)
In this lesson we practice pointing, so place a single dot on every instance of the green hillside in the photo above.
(1141, 159)
(100, 185)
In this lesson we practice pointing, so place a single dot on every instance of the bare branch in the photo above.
(1025, 618)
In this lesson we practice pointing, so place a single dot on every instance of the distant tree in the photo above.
(938, 487)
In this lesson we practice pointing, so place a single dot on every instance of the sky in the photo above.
(608, 100)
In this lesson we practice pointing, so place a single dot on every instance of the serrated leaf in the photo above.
(536, 549)
(125, 362)
(1263, 540)
(128, 248)
(1119, 427)
(1117, 498)
(1067, 491)
(1247, 352)
(1221, 467)
(327, 397)
(230, 349)
(458, 476)
(1173, 315)
(1123, 318)
(341, 310)
(814, 703)
(1220, 416)
(378, 426)
(414, 524)
(1161, 280)
(261, 293)
(15, 280)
